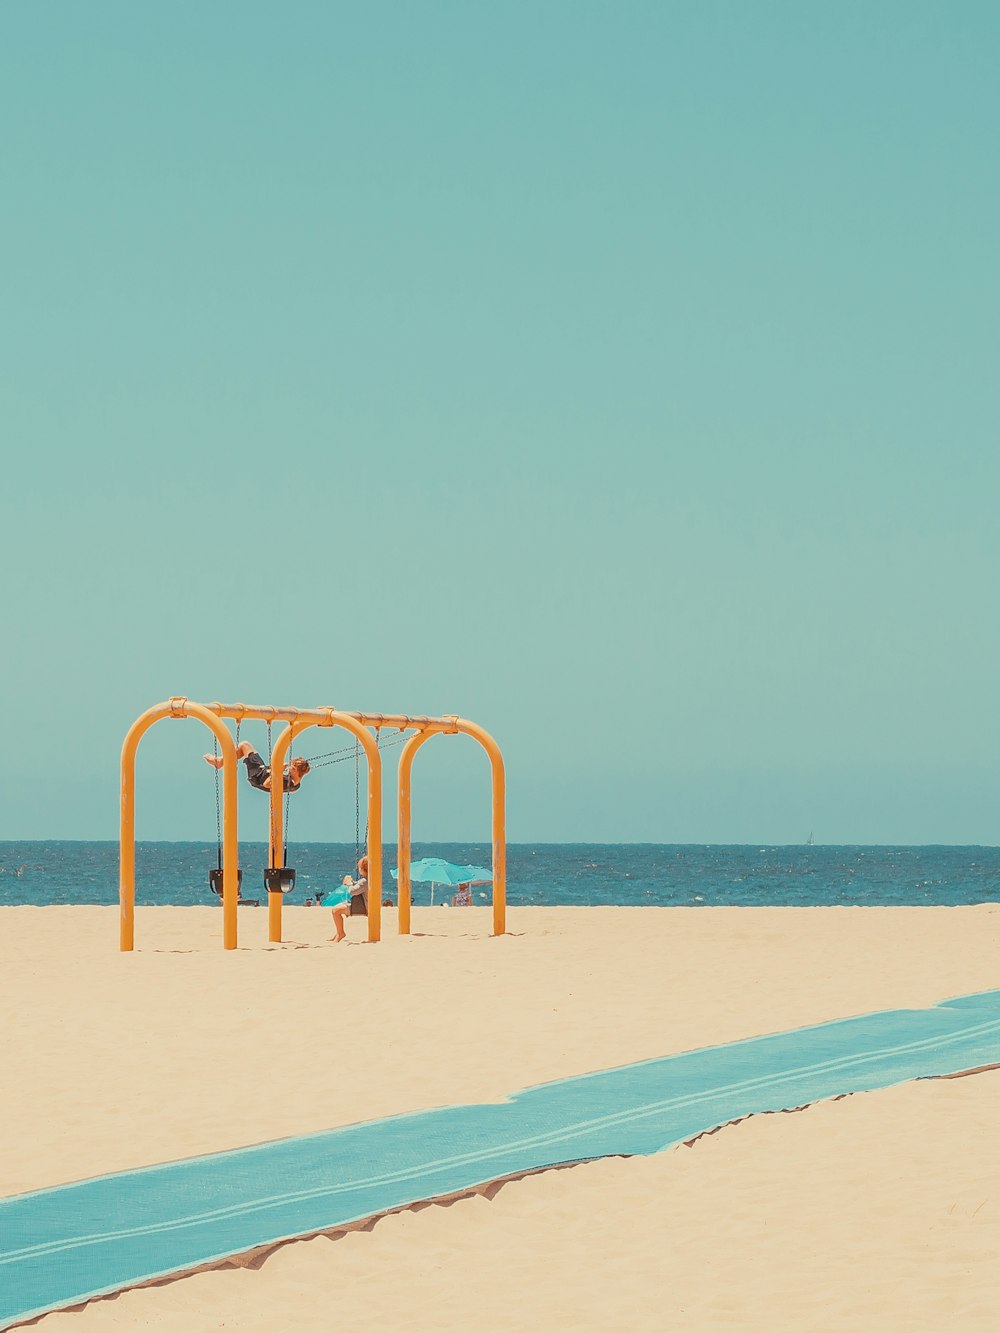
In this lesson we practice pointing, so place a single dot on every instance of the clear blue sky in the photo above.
(619, 375)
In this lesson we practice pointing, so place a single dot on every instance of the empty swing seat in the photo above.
(215, 884)
(215, 881)
(279, 879)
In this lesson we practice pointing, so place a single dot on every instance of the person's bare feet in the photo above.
(214, 759)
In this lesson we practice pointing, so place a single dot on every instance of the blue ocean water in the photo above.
(572, 874)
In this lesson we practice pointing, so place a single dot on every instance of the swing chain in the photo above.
(357, 799)
(218, 806)
(347, 752)
(357, 794)
(288, 793)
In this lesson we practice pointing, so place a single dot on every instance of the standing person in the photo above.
(463, 897)
(259, 773)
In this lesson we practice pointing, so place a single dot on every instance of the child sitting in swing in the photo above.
(340, 900)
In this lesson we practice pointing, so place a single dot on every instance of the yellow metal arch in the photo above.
(178, 707)
(331, 718)
(409, 750)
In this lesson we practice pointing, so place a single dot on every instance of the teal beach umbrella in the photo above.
(433, 870)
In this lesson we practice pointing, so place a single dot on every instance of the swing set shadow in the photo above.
(280, 878)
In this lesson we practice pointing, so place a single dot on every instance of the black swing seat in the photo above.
(279, 879)
(215, 884)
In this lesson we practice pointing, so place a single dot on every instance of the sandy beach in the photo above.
(880, 1210)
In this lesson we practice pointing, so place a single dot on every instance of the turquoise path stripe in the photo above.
(64, 1245)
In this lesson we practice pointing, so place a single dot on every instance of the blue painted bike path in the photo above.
(64, 1245)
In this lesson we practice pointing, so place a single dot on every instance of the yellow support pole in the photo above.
(499, 820)
(403, 832)
(276, 840)
(230, 832)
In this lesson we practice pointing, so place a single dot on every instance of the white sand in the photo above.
(879, 1211)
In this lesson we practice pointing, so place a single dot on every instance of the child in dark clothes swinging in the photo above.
(259, 773)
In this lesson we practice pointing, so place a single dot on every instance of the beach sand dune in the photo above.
(880, 1210)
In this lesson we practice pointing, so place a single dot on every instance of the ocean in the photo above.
(555, 875)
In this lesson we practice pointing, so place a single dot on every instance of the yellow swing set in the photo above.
(278, 878)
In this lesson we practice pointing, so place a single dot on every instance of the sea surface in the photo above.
(554, 874)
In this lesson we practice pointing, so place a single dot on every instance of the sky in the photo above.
(620, 375)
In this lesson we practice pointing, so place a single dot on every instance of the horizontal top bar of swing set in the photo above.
(322, 716)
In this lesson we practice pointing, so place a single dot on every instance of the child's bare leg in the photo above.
(216, 760)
